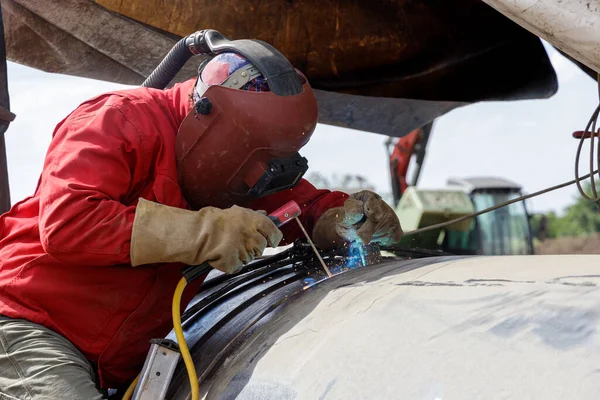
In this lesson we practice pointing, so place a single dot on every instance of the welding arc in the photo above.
(497, 206)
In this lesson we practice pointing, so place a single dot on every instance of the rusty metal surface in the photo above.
(431, 50)
(401, 48)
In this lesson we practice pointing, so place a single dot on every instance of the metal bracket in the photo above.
(158, 370)
(239, 78)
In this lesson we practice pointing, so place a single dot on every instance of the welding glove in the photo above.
(365, 218)
(226, 238)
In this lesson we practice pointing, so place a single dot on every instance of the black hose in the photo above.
(235, 311)
(260, 263)
(169, 66)
(232, 289)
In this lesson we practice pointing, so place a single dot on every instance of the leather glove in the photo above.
(226, 238)
(365, 217)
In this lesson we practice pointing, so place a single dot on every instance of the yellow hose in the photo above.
(183, 348)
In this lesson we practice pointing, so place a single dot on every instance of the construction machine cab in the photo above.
(505, 231)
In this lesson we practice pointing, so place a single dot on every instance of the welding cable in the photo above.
(265, 267)
(497, 206)
(231, 288)
(261, 262)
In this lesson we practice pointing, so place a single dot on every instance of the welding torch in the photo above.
(280, 217)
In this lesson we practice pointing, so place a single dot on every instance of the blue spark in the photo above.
(309, 281)
(356, 253)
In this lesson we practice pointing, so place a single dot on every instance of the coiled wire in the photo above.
(590, 132)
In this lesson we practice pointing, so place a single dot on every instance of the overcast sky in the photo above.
(527, 141)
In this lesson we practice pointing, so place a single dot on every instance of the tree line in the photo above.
(581, 218)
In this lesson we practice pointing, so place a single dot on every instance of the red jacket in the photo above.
(64, 252)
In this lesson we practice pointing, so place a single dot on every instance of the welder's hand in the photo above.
(226, 238)
(365, 217)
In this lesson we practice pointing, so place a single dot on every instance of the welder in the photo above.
(139, 183)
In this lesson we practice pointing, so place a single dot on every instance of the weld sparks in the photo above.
(356, 256)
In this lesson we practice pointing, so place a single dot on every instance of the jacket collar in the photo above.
(181, 100)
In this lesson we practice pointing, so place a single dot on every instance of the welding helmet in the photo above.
(252, 112)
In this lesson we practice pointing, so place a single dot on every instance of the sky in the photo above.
(528, 142)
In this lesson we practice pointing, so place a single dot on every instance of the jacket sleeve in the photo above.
(87, 172)
(313, 202)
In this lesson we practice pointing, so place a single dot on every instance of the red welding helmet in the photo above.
(252, 113)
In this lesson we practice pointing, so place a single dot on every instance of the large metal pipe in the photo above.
(573, 26)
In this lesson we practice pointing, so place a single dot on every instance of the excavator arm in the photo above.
(400, 154)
